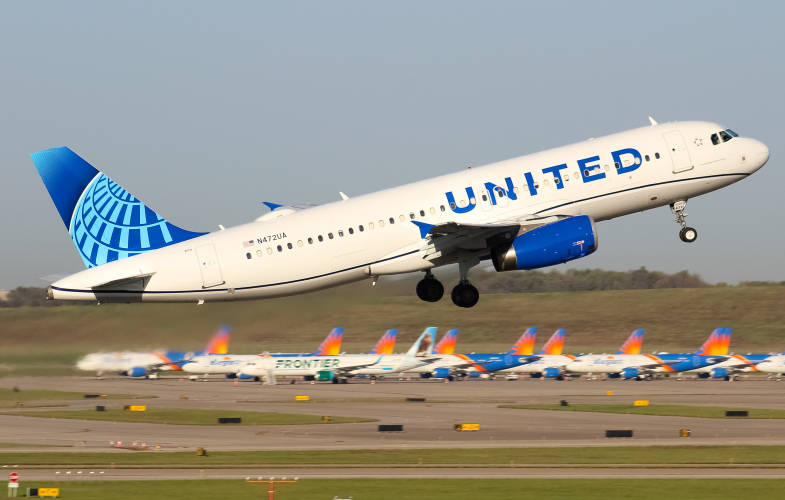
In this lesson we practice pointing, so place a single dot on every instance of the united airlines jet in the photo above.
(526, 213)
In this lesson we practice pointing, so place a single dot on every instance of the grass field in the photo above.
(424, 489)
(50, 340)
(664, 410)
(651, 455)
(175, 416)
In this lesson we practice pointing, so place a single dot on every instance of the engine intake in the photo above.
(548, 245)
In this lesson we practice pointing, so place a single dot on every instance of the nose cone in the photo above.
(759, 154)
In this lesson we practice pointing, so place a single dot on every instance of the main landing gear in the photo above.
(464, 294)
(687, 234)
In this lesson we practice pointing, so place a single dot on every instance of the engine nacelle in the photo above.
(441, 372)
(719, 372)
(629, 372)
(551, 372)
(704, 375)
(231, 376)
(137, 371)
(548, 245)
(475, 374)
(243, 376)
(325, 375)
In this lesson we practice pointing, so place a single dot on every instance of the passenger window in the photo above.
(577, 175)
(381, 223)
(422, 213)
(536, 185)
(299, 243)
(289, 246)
(248, 256)
(472, 200)
(525, 187)
(330, 235)
(433, 211)
(269, 251)
(500, 193)
(463, 203)
(280, 249)
(370, 225)
(351, 230)
(657, 155)
(616, 164)
(607, 168)
(516, 190)
(392, 220)
(320, 238)
(725, 136)
(361, 228)
(545, 183)
(340, 233)
(402, 218)
(566, 178)
(310, 241)
(452, 205)
(556, 180)
(647, 157)
(442, 207)
(411, 215)
(484, 198)
(259, 253)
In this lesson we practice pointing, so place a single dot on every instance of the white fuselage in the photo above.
(120, 361)
(546, 361)
(772, 364)
(610, 363)
(297, 251)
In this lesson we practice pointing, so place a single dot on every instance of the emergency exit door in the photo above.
(208, 265)
(678, 151)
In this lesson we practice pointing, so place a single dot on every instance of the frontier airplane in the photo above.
(526, 213)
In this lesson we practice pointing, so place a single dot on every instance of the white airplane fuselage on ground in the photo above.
(294, 250)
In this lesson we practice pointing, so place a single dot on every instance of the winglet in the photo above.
(653, 121)
(271, 206)
(423, 227)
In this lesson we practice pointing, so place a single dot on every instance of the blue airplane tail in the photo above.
(105, 221)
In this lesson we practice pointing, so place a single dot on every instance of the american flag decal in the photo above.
(247, 244)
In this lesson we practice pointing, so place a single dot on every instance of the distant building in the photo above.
(3, 294)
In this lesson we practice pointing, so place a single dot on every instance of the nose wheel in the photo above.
(687, 234)
(430, 289)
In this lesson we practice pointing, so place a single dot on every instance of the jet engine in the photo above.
(136, 371)
(629, 373)
(551, 372)
(719, 372)
(547, 245)
(441, 372)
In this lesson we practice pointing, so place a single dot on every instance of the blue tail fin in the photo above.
(105, 221)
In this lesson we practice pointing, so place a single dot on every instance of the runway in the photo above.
(426, 424)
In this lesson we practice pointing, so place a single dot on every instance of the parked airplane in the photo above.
(640, 366)
(526, 213)
(549, 362)
(148, 364)
(719, 343)
(337, 368)
(772, 364)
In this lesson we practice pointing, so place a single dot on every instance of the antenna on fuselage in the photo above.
(343, 195)
(653, 121)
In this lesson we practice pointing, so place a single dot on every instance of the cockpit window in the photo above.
(731, 132)
(715, 139)
(725, 136)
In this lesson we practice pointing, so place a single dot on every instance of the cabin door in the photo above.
(678, 151)
(208, 265)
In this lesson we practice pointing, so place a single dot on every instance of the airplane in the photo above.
(772, 364)
(229, 364)
(719, 344)
(639, 366)
(549, 362)
(148, 364)
(529, 212)
(338, 368)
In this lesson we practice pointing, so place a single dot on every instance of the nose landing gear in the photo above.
(687, 234)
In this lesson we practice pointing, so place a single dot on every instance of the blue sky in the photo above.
(204, 110)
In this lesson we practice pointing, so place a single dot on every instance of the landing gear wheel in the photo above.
(430, 290)
(688, 234)
(465, 295)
